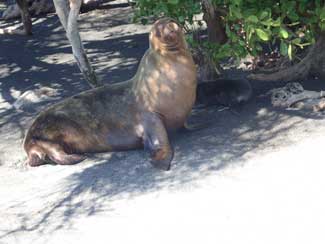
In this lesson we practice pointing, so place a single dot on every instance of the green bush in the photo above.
(182, 10)
(249, 24)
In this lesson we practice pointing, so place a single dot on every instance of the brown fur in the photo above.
(124, 116)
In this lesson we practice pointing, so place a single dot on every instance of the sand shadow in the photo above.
(115, 176)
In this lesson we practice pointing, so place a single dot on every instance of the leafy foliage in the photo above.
(250, 24)
(182, 10)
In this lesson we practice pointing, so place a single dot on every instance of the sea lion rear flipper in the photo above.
(44, 152)
(34, 160)
(55, 153)
(67, 159)
(157, 143)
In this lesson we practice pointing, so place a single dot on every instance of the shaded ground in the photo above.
(253, 176)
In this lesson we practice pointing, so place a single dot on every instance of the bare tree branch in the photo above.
(68, 12)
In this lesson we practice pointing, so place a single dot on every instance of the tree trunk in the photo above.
(312, 63)
(208, 69)
(212, 17)
(68, 12)
(37, 7)
(318, 61)
(25, 16)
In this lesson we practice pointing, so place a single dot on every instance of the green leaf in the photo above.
(228, 31)
(283, 49)
(293, 16)
(268, 22)
(322, 14)
(233, 37)
(322, 26)
(242, 43)
(296, 41)
(258, 47)
(290, 51)
(262, 34)
(263, 15)
(252, 19)
(174, 2)
(284, 33)
(235, 12)
(181, 19)
(277, 22)
(250, 33)
(237, 27)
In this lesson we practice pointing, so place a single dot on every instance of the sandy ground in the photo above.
(255, 175)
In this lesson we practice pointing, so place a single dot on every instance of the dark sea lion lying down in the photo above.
(225, 92)
(129, 115)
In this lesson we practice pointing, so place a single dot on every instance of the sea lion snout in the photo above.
(170, 31)
(165, 29)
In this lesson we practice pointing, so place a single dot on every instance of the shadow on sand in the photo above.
(45, 59)
(109, 177)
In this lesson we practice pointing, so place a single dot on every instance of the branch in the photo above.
(320, 106)
(297, 71)
(212, 17)
(68, 15)
(25, 16)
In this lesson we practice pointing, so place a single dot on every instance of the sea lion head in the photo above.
(167, 35)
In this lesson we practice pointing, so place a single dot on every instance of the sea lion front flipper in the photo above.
(156, 141)
(187, 127)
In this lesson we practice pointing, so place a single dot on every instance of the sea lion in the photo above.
(225, 92)
(128, 115)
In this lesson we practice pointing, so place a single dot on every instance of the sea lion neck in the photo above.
(166, 50)
(162, 75)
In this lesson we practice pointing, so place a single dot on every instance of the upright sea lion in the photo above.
(129, 115)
